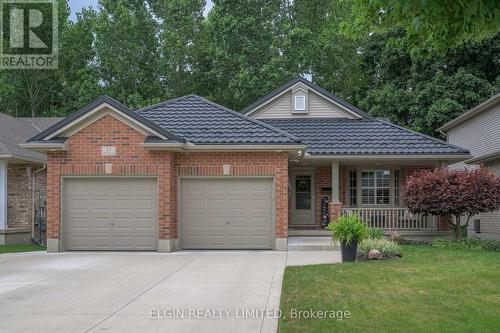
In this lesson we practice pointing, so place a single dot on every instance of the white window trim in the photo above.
(295, 108)
(359, 188)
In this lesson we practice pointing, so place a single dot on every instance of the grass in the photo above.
(427, 290)
(20, 248)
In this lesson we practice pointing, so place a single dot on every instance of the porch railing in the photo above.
(393, 218)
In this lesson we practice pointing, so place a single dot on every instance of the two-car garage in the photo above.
(120, 213)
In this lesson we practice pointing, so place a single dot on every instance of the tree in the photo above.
(36, 92)
(180, 24)
(453, 193)
(423, 94)
(319, 48)
(127, 52)
(240, 57)
(431, 27)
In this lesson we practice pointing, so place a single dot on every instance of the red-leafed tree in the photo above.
(453, 193)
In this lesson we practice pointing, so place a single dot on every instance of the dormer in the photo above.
(301, 98)
(300, 101)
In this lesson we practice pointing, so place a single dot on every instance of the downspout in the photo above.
(33, 200)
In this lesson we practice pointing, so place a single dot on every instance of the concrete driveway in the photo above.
(140, 292)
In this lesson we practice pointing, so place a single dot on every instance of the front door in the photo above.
(303, 199)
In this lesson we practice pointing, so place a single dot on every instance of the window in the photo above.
(397, 191)
(352, 185)
(303, 192)
(477, 226)
(375, 187)
(300, 103)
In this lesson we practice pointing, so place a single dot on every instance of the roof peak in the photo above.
(288, 85)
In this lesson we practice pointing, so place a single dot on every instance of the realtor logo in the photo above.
(29, 34)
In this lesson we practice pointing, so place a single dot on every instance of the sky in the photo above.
(77, 5)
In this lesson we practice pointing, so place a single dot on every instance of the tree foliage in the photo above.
(144, 51)
(423, 94)
(431, 27)
(455, 193)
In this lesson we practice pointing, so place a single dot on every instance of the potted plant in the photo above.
(349, 230)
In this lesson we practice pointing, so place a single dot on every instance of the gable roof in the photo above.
(263, 100)
(478, 109)
(334, 136)
(14, 131)
(203, 122)
(103, 100)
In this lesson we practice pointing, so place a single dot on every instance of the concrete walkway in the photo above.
(216, 291)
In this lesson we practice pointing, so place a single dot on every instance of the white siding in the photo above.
(318, 107)
(480, 134)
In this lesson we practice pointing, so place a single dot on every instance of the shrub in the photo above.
(467, 244)
(376, 233)
(387, 247)
(454, 193)
(348, 229)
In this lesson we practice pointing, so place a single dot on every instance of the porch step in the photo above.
(309, 232)
(318, 243)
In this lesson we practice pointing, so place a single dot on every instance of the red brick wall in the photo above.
(323, 178)
(84, 158)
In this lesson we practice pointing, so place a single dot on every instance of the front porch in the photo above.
(321, 190)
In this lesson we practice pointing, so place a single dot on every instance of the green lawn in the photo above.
(20, 248)
(428, 290)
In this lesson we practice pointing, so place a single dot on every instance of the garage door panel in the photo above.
(144, 204)
(227, 214)
(236, 204)
(121, 204)
(258, 204)
(215, 204)
(118, 214)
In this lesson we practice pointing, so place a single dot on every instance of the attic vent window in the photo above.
(300, 104)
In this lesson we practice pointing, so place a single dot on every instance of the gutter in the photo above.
(22, 158)
(44, 147)
(387, 157)
(33, 199)
(189, 146)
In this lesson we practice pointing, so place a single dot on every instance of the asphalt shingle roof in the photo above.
(14, 131)
(200, 121)
(333, 136)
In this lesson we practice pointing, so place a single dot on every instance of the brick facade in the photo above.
(84, 158)
(20, 198)
(323, 179)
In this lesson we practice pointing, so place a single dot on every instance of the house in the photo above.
(191, 174)
(478, 130)
(22, 178)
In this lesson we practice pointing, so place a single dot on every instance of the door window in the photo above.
(303, 192)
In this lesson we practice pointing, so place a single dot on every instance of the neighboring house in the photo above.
(478, 130)
(191, 174)
(22, 177)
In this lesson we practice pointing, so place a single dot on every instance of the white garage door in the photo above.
(227, 213)
(109, 214)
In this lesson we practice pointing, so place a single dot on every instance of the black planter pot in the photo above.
(349, 251)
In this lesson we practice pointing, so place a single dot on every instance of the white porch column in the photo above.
(335, 182)
(3, 194)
